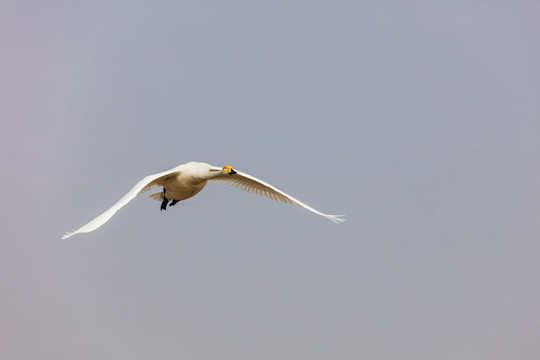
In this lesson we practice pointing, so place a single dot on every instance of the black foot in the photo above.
(164, 202)
(173, 202)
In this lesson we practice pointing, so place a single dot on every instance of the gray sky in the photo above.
(418, 120)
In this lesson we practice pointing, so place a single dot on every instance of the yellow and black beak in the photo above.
(230, 170)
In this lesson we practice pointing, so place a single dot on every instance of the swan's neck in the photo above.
(215, 174)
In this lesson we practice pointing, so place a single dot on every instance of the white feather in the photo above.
(253, 185)
(185, 181)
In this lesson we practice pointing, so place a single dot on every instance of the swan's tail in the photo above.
(157, 196)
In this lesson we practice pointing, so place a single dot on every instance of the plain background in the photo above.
(418, 120)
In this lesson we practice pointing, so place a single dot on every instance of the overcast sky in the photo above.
(418, 120)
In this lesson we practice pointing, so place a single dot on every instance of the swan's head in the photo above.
(228, 170)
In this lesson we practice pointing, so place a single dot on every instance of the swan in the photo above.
(187, 180)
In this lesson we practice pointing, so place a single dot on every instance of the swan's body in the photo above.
(187, 180)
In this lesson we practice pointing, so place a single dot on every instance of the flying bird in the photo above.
(187, 180)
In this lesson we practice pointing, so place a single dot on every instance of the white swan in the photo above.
(185, 181)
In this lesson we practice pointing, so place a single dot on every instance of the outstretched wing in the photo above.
(145, 184)
(253, 185)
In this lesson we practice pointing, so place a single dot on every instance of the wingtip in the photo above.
(68, 234)
(336, 218)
